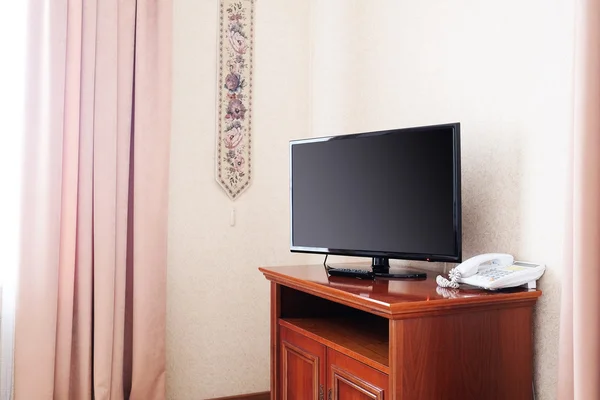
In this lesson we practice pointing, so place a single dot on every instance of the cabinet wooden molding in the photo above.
(346, 339)
(350, 379)
(302, 366)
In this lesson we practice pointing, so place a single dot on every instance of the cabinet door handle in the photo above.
(329, 394)
(321, 394)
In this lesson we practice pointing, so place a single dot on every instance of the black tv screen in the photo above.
(390, 194)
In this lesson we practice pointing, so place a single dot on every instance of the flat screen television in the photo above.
(391, 194)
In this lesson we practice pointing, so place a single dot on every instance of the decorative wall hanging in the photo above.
(234, 107)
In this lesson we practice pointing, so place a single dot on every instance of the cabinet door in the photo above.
(302, 374)
(348, 379)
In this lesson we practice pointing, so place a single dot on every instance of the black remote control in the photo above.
(350, 272)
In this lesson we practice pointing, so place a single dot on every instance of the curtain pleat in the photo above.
(151, 152)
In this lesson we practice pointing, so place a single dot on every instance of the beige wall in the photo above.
(503, 69)
(218, 302)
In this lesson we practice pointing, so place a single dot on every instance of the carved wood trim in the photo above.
(306, 356)
(414, 309)
(360, 385)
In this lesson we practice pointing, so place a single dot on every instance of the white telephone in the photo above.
(493, 271)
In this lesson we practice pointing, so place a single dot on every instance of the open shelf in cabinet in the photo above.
(358, 334)
(363, 340)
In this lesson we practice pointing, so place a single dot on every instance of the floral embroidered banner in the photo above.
(234, 120)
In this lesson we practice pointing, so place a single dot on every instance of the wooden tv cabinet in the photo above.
(350, 339)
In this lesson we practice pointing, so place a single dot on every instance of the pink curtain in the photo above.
(91, 306)
(579, 357)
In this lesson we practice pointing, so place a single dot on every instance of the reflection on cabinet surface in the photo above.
(347, 339)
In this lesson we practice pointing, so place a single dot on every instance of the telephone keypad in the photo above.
(493, 274)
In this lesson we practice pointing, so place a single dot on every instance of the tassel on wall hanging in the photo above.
(234, 103)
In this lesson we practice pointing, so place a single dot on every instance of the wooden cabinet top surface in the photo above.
(393, 298)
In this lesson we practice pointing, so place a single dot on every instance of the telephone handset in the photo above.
(493, 271)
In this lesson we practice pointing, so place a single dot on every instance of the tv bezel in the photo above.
(455, 257)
